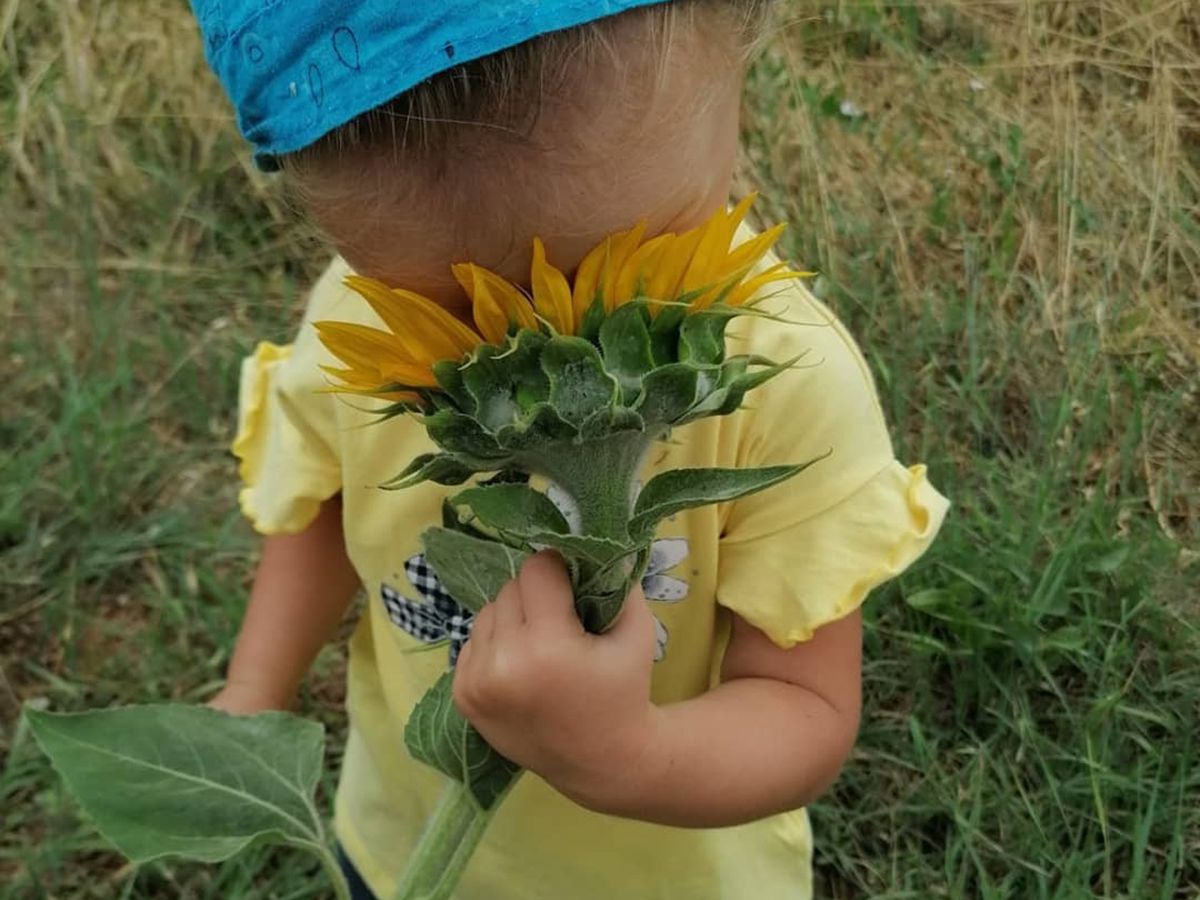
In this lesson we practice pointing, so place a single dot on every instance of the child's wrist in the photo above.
(247, 698)
(616, 782)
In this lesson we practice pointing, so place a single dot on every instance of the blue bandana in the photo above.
(296, 70)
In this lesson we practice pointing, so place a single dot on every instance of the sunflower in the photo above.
(692, 272)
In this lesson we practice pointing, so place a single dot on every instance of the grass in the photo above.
(1000, 197)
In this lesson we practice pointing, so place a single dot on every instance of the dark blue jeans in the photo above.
(358, 887)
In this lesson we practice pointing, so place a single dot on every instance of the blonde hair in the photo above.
(502, 96)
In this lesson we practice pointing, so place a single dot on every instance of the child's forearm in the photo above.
(749, 748)
(303, 586)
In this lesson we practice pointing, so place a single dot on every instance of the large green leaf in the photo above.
(516, 509)
(680, 489)
(175, 779)
(579, 385)
(439, 736)
(471, 570)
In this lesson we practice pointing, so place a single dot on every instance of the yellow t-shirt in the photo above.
(788, 560)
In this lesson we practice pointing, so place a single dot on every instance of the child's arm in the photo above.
(303, 586)
(575, 708)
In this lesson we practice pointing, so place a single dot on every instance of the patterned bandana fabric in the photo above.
(296, 69)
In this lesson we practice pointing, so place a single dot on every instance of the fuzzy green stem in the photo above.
(451, 836)
(598, 475)
(341, 890)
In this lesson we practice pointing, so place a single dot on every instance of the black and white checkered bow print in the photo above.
(436, 619)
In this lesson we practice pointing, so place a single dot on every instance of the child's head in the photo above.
(571, 135)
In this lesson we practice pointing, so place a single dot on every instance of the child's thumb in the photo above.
(634, 627)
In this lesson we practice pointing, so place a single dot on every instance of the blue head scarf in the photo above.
(297, 69)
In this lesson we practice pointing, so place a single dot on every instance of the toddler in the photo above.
(672, 756)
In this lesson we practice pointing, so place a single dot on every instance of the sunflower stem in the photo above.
(599, 476)
(450, 837)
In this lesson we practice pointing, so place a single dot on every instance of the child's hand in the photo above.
(571, 706)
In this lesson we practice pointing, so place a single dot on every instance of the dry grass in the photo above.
(1001, 197)
(1061, 141)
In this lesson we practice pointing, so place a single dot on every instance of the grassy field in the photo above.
(1001, 198)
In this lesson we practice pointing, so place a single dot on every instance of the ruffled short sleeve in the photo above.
(810, 573)
(287, 435)
(807, 552)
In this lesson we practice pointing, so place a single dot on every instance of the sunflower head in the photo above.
(636, 344)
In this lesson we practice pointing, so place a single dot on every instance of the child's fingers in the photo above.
(634, 627)
(508, 613)
(546, 594)
(484, 626)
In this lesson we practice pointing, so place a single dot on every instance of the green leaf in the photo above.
(596, 550)
(712, 403)
(664, 334)
(461, 434)
(506, 381)
(702, 338)
(440, 468)
(668, 392)
(625, 340)
(472, 570)
(593, 318)
(439, 736)
(183, 780)
(748, 380)
(680, 489)
(736, 382)
(543, 426)
(600, 596)
(610, 420)
(449, 376)
(579, 385)
(513, 508)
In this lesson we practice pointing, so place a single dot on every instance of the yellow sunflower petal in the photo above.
(372, 355)
(375, 389)
(713, 247)
(495, 302)
(551, 293)
(587, 280)
(666, 279)
(380, 297)
(638, 267)
(444, 336)
(426, 331)
(621, 248)
(747, 289)
(359, 346)
(745, 255)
